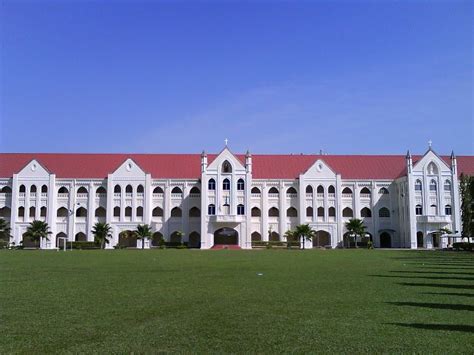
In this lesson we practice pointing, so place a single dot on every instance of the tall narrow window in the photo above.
(226, 184)
(211, 185)
(418, 210)
(226, 167)
(447, 210)
(240, 210)
(418, 186)
(447, 185)
(211, 210)
(433, 185)
(240, 185)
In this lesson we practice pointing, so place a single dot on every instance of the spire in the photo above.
(408, 156)
(452, 155)
(409, 162)
(247, 154)
(430, 143)
(203, 154)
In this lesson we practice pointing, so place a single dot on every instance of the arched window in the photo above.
(447, 185)
(366, 212)
(128, 189)
(309, 189)
(101, 190)
(433, 185)
(128, 211)
(63, 190)
(240, 185)
(320, 189)
(226, 167)
(176, 212)
(291, 212)
(331, 189)
(383, 191)
(82, 190)
(176, 190)
(418, 185)
(211, 185)
(194, 212)
(139, 211)
(81, 237)
(256, 212)
(116, 211)
(256, 237)
(255, 190)
(81, 212)
(158, 190)
(347, 191)
(21, 211)
(432, 169)
(320, 211)
(273, 190)
(211, 210)
(332, 212)
(140, 189)
(273, 212)
(157, 212)
(43, 211)
(117, 189)
(291, 191)
(6, 190)
(33, 189)
(347, 212)
(309, 211)
(433, 210)
(447, 210)
(100, 212)
(62, 212)
(195, 190)
(22, 188)
(240, 210)
(384, 212)
(418, 210)
(365, 191)
(226, 184)
(44, 189)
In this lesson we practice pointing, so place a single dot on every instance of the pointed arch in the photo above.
(309, 189)
(117, 189)
(176, 212)
(331, 189)
(273, 212)
(158, 190)
(255, 190)
(366, 212)
(226, 167)
(82, 190)
(44, 189)
(128, 189)
(157, 212)
(347, 212)
(320, 189)
(292, 212)
(309, 211)
(100, 212)
(273, 190)
(194, 212)
(255, 212)
(226, 184)
(195, 190)
(211, 184)
(384, 212)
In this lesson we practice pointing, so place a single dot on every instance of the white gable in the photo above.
(34, 170)
(130, 170)
(319, 170)
(222, 157)
(431, 164)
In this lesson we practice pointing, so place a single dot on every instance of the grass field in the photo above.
(215, 301)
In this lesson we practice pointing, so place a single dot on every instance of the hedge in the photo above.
(463, 246)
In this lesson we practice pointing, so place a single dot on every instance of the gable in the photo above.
(129, 170)
(226, 155)
(33, 170)
(319, 169)
(431, 164)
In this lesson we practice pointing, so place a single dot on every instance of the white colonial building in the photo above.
(225, 199)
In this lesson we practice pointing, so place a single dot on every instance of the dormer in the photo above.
(33, 170)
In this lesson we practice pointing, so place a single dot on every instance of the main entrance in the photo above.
(227, 236)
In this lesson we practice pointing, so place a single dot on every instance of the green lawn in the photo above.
(215, 301)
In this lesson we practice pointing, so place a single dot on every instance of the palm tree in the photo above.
(143, 232)
(4, 229)
(37, 230)
(356, 227)
(303, 231)
(290, 237)
(102, 232)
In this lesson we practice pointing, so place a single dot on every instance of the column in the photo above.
(282, 206)
(14, 211)
(339, 235)
(91, 205)
(264, 218)
(51, 210)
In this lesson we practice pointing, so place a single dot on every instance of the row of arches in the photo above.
(211, 185)
(433, 210)
(22, 189)
(346, 212)
(433, 185)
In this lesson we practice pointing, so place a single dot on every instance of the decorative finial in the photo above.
(408, 156)
(226, 141)
(429, 144)
(203, 154)
(452, 155)
(248, 153)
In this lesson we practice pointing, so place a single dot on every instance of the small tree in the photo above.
(304, 232)
(356, 227)
(102, 232)
(467, 206)
(143, 232)
(38, 230)
(4, 229)
(290, 237)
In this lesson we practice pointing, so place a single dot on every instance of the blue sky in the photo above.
(347, 77)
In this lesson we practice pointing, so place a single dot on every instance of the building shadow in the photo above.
(432, 272)
(452, 307)
(426, 277)
(437, 285)
(447, 327)
(448, 294)
(447, 268)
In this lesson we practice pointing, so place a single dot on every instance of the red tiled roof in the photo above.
(187, 166)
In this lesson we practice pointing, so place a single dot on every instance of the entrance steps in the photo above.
(226, 246)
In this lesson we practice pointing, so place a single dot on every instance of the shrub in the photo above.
(84, 245)
(463, 246)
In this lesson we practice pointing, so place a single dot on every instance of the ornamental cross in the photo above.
(430, 143)
(225, 141)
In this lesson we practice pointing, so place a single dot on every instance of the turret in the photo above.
(248, 162)
(409, 162)
(454, 165)
(203, 162)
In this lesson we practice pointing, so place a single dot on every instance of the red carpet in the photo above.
(225, 246)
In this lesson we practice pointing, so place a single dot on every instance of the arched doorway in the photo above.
(385, 240)
(127, 239)
(321, 239)
(256, 237)
(60, 241)
(436, 238)
(194, 240)
(28, 243)
(81, 237)
(227, 236)
(157, 239)
(419, 240)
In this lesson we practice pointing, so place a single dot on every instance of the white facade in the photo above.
(403, 212)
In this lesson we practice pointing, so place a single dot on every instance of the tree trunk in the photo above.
(143, 243)
(355, 241)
